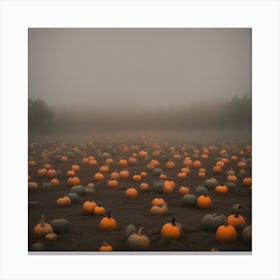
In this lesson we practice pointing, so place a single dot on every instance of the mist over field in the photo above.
(137, 79)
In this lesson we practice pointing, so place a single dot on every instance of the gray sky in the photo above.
(148, 67)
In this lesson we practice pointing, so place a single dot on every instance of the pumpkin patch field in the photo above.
(139, 194)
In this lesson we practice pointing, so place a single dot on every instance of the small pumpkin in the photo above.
(74, 197)
(246, 234)
(144, 187)
(78, 189)
(247, 181)
(226, 234)
(88, 206)
(99, 210)
(210, 222)
(160, 209)
(105, 247)
(171, 230)
(189, 200)
(74, 181)
(138, 241)
(124, 174)
(221, 189)
(60, 225)
(211, 183)
(204, 201)
(184, 190)
(157, 186)
(55, 182)
(108, 223)
(131, 193)
(112, 183)
(157, 201)
(38, 246)
(51, 236)
(201, 190)
(42, 228)
(235, 219)
(63, 201)
(32, 186)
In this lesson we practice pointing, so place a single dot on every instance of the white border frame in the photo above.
(17, 16)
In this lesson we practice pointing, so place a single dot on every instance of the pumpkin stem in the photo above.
(173, 221)
(42, 220)
(140, 230)
(109, 214)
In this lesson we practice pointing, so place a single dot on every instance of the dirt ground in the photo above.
(84, 233)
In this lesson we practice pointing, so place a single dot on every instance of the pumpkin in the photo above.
(182, 175)
(51, 236)
(217, 169)
(132, 161)
(64, 159)
(130, 229)
(79, 189)
(211, 183)
(124, 174)
(88, 206)
(143, 174)
(184, 190)
(197, 164)
(155, 163)
(38, 246)
(98, 176)
(157, 186)
(31, 163)
(99, 210)
(201, 190)
(32, 186)
(85, 160)
(109, 161)
(160, 209)
(221, 189)
(143, 154)
(75, 167)
(51, 172)
(131, 193)
(55, 182)
(157, 171)
(108, 223)
(171, 230)
(104, 169)
(144, 187)
(71, 173)
(189, 200)
(74, 181)
(157, 201)
(210, 222)
(123, 163)
(105, 247)
(138, 241)
(235, 219)
(230, 172)
(232, 178)
(246, 234)
(114, 175)
(186, 170)
(204, 201)
(204, 156)
(234, 158)
(170, 165)
(42, 228)
(92, 162)
(226, 234)
(241, 164)
(247, 181)
(63, 201)
(201, 174)
(137, 178)
(113, 183)
(42, 172)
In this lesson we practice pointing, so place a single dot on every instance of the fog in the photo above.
(135, 68)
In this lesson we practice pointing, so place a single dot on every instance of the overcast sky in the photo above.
(154, 67)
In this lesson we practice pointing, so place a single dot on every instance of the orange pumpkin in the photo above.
(42, 172)
(88, 206)
(123, 163)
(76, 167)
(71, 173)
(113, 183)
(171, 230)
(221, 189)
(170, 165)
(137, 178)
(42, 228)
(55, 182)
(144, 187)
(63, 201)
(108, 223)
(204, 201)
(74, 181)
(131, 193)
(124, 174)
(226, 234)
(158, 200)
(105, 247)
(197, 164)
(64, 159)
(98, 176)
(104, 169)
(235, 220)
(247, 181)
(184, 190)
(51, 172)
